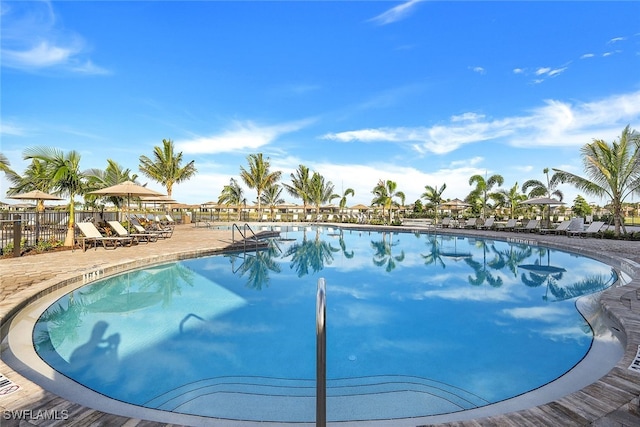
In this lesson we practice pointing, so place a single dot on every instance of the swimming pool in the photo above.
(417, 325)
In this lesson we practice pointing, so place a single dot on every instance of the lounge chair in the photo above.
(470, 223)
(593, 228)
(93, 235)
(446, 222)
(160, 231)
(509, 226)
(530, 227)
(139, 237)
(488, 224)
(294, 218)
(561, 228)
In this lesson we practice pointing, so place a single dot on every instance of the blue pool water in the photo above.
(417, 325)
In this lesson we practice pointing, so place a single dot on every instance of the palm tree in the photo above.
(271, 197)
(510, 198)
(299, 186)
(258, 176)
(343, 199)
(5, 165)
(483, 189)
(384, 194)
(112, 175)
(534, 188)
(232, 194)
(320, 191)
(613, 171)
(433, 196)
(35, 177)
(63, 171)
(166, 167)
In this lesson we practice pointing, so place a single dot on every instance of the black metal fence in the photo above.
(33, 229)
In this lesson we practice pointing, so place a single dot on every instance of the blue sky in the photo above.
(419, 92)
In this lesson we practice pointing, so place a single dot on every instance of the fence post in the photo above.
(17, 235)
(321, 356)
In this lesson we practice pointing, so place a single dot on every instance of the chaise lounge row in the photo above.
(91, 235)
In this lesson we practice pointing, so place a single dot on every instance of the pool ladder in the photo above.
(249, 239)
(321, 355)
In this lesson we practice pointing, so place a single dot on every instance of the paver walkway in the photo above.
(610, 402)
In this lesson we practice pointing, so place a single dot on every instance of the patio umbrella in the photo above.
(36, 195)
(455, 205)
(544, 201)
(128, 189)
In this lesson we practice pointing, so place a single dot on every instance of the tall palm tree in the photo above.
(112, 175)
(535, 188)
(509, 198)
(65, 176)
(35, 177)
(320, 191)
(232, 194)
(258, 176)
(483, 188)
(384, 193)
(613, 171)
(166, 166)
(271, 197)
(299, 186)
(5, 165)
(433, 196)
(343, 199)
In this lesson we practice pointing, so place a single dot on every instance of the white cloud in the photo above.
(479, 70)
(547, 313)
(34, 40)
(587, 55)
(10, 129)
(555, 123)
(396, 13)
(616, 39)
(518, 70)
(241, 136)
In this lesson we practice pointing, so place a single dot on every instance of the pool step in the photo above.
(386, 394)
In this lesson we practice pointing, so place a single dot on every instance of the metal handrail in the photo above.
(321, 355)
(244, 237)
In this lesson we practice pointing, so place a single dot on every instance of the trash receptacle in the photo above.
(186, 218)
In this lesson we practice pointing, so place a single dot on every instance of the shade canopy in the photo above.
(158, 199)
(127, 188)
(455, 204)
(542, 201)
(35, 195)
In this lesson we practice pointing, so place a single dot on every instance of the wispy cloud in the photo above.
(616, 39)
(396, 13)
(479, 70)
(241, 136)
(33, 39)
(7, 128)
(556, 123)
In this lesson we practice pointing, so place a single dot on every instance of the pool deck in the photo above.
(612, 401)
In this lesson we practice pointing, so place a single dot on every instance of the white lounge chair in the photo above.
(139, 237)
(92, 235)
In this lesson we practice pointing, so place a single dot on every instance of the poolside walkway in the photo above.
(610, 402)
